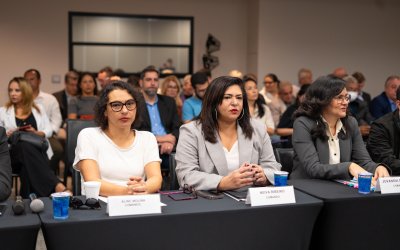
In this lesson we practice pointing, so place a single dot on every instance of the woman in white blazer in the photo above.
(224, 149)
(21, 113)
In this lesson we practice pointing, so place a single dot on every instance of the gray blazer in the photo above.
(311, 158)
(202, 164)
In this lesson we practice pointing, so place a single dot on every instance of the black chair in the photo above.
(285, 157)
(174, 185)
(73, 129)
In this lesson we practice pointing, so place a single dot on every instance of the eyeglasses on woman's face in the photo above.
(117, 105)
(342, 98)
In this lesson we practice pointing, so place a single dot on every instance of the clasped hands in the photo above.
(136, 185)
(246, 175)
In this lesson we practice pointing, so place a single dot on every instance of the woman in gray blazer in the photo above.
(327, 142)
(223, 148)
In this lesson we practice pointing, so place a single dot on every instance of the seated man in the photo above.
(385, 102)
(5, 167)
(192, 106)
(384, 139)
(159, 115)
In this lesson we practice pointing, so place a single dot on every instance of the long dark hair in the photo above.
(319, 96)
(260, 101)
(101, 105)
(81, 76)
(212, 98)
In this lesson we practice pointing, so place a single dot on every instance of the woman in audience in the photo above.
(5, 167)
(285, 126)
(171, 87)
(124, 160)
(327, 142)
(270, 92)
(82, 106)
(28, 160)
(257, 107)
(208, 155)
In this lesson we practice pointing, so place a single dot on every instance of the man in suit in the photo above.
(384, 139)
(159, 115)
(64, 96)
(386, 101)
(5, 167)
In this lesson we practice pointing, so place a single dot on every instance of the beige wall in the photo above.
(260, 36)
(360, 35)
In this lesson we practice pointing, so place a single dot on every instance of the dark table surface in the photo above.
(18, 232)
(350, 220)
(192, 224)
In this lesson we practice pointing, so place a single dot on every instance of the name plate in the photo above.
(262, 196)
(134, 204)
(388, 185)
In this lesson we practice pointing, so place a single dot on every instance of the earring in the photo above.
(241, 115)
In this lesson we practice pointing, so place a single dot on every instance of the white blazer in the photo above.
(7, 120)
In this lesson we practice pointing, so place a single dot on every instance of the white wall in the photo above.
(359, 35)
(35, 33)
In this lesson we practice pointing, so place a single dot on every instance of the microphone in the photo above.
(18, 207)
(36, 205)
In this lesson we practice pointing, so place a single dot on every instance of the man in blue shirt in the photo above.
(192, 106)
(159, 115)
(386, 101)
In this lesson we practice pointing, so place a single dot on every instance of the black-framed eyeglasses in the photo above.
(117, 105)
(90, 203)
(187, 193)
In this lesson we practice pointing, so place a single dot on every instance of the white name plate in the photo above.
(388, 185)
(134, 204)
(270, 196)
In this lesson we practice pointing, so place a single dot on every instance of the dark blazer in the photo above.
(61, 97)
(380, 106)
(311, 158)
(384, 141)
(168, 114)
(5, 167)
(366, 97)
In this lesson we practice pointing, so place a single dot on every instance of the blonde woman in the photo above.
(32, 164)
(171, 87)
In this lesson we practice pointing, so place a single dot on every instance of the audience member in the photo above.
(159, 115)
(358, 108)
(271, 95)
(5, 167)
(326, 141)
(104, 77)
(171, 87)
(31, 162)
(339, 72)
(64, 96)
(52, 109)
(386, 101)
(304, 77)
(133, 80)
(384, 139)
(123, 159)
(286, 93)
(363, 96)
(208, 155)
(285, 126)
(258, 109)
(82, 106)
(187, 89)
(192, 106)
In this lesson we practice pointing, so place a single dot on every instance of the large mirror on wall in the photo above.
(129, 43)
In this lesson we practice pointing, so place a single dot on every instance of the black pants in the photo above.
(32, 165)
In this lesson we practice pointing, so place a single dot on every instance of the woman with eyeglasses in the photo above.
(224, 149)
(126, 161)
(326, 140)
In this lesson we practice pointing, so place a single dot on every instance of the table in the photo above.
(350, 220)
(18, 232)
(191, 224)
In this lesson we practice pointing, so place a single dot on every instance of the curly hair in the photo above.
(101, 105)
(318, 97)
(214, 97)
